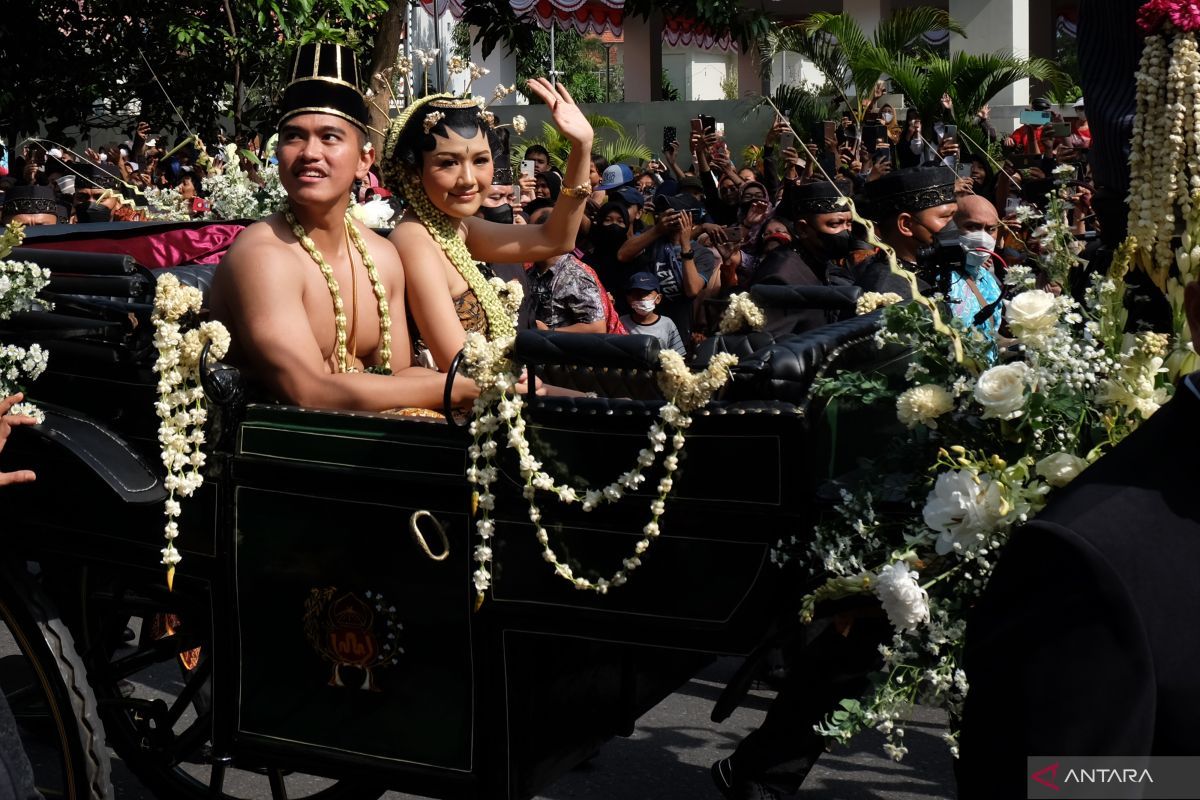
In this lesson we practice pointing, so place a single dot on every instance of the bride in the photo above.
(440, 156)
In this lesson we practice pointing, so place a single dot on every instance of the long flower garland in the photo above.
(489, 365)
(1164, 162)
(181, 406)
(339, 311)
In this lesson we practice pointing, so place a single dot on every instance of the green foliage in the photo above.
(857, 388)
(801, 105)
(669, 92)
(89, 71)
(729, 86)
(574, 57)
(848, 59)
(612, 142)
(970, 79)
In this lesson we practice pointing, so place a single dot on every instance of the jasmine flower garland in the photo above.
(489, 365)
(181, 406)
(740, 314)
(20, 283)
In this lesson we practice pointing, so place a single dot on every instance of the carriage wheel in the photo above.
(155, 696)
(45, 684)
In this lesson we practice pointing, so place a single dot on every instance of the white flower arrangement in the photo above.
(982, 449)
(20, 283)
(741, 314)
(181, 406)
(377, 213)
(488, 363)
(234, 194)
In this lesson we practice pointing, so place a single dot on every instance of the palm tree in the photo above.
(971, 80)
(616, 147)
(847, 58)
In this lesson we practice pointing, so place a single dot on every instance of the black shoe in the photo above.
(733, 789)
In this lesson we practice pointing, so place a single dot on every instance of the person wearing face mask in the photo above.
(610, 230)
(643, 297)
(887, 115)
(910, 208)
(821, 240)
(974, 288)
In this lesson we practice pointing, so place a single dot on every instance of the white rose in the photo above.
(1061, 468)
(1001, 391)
(963, 508)
(922, 405)
(1033, 312)
(906, 603)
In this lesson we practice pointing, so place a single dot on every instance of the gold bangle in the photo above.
(580, 192)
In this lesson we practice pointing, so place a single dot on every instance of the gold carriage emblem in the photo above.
(350, 632)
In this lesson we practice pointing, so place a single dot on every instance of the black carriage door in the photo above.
(352, 592)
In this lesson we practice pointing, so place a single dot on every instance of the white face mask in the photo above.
(887, 116)
(976, 243)
(642, 306)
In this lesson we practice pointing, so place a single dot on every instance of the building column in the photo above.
(867, 13)
(643, 59)
(750, 79)
(996, 25)
(503, 70)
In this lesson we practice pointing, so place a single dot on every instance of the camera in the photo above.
(937, 264)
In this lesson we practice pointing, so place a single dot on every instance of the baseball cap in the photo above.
(1079, 103)
(615, 175)
(642, 281)
(630, 196)
(690, 182)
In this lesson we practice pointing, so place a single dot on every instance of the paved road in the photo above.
(669, 754)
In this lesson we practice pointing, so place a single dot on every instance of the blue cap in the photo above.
(615, 175)
(642, 281)
(629, 196)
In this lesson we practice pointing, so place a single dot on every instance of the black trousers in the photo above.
(831, 667)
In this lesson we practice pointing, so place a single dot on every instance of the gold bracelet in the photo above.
(580, 192)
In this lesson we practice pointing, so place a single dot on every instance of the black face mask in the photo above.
(93, 212)
(835, 245)
(502, 213)
(608, 237)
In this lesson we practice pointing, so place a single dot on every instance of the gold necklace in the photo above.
(353, 354)
(339, 313)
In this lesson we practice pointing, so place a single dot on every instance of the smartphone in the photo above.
(951, 135)
(787, 139)
(720, 128)
(873, 134)
(502, 174)
(669, 136)
(708, 124)
(963, 169)
(697, 126)
(1035, 117)
(883, 153)
(822, 131)
(1060, 130)
(528, 168)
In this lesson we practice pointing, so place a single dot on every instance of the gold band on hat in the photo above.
(295, 112)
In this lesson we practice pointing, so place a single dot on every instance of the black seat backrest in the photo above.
(610, 365)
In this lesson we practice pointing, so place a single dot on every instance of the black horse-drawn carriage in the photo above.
(323, 619)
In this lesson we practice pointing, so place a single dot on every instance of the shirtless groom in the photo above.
(278, 299)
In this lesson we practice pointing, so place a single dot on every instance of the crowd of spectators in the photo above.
(663, 243)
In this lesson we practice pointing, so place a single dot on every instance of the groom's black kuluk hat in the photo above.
(325, 81)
